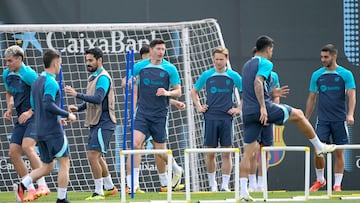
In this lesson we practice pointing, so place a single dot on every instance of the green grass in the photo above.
(78, 197)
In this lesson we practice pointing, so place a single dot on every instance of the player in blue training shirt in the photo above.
(145, 54)
(18, 79)
(52, 141)
(266, 138)
(260, 111)
(332, 83)
(99, 104)
(220, 108)
(157, 81)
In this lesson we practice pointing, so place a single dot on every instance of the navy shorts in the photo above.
(21, 131)
(332, 132)
(154, 127)
(277, 114)
(218, 132)
(266, 137)
(53, 148)
(99, 139)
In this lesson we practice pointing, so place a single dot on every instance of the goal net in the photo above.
(189, 48)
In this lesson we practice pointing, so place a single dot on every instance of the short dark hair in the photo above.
(49, 56)
(330, 48)
(144, 49)
(264, 42)
(155, 42)
(253, 51)
(96, 52)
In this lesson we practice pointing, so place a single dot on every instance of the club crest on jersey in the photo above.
(276, 157)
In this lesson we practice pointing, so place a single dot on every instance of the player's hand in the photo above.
(123, 82)
(63, 121)
(202, 108)
(180, 105)
(263, 116)
(72, 117)
(281, 92)
(8, 115)
(234, 111)
(162, 92)
(25, 116)
(349, 119)
(72, 108)
(69, 90)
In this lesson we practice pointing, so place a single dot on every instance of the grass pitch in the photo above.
(79, 197)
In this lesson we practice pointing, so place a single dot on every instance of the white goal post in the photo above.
(189, 47)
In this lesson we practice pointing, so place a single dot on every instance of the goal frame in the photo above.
(182, 27)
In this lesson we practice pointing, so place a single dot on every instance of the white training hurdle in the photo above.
(155, 151)
(307, 170)
(212, 150)
(329, 167)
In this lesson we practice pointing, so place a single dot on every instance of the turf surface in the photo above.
(78, 197)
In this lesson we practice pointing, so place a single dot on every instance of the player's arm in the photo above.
(351, 93)
(238, 84)
(102, 87)
(174, 93)
(311, 100)
(9, 105)
(50, 106)
(180, 105)
(50, 92)
(200, 83)
(74, 108)
(235, 110)
(28, 76)
(195, 97)
(136, 92)
(259, 92)
(310, 104)
(97, 98)
(25, 116)
(123, 81)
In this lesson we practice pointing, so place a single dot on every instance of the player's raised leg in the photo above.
(298, 117)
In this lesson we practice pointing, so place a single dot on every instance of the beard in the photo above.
(91, 69)
(329, 64)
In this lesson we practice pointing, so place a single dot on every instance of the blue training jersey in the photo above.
(219, 88)
(150, 78)
(331, 87)
(19, 85)
(256, 66)
(48, 124)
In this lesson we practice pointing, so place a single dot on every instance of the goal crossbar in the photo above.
(101, 27)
